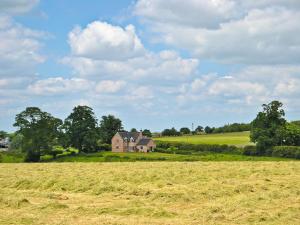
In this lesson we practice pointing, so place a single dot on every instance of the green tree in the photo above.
(290, 134)
(109, 126)
(147, 133)
(185, 130)
(3, 134)
(208, 130)
(40, 131)
(133, 130)
(199, 129)
(267, 126)
(81, 130)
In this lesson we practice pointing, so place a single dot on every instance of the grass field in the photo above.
(155, 156)
(151, 193)
(237, 138)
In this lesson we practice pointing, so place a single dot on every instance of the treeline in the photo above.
(235, 127)
(39, 133)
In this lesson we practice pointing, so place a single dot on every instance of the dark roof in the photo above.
(144, 141)
(128, 135)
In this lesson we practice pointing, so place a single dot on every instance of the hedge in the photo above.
(184, 148)
(286, 151)
(277, 151)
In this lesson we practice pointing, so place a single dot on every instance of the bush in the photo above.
(185, 147)
(104, 147)
(286, 152)
(250, 150)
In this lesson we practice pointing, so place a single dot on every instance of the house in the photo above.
(124, 141)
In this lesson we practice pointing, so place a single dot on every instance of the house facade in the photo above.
(124, 141)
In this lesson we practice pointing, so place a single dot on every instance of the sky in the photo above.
(154, 64)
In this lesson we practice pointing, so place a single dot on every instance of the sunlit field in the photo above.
(236, 138)
(151, 193)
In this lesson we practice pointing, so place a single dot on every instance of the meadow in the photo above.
(236, 138)
(151, 193)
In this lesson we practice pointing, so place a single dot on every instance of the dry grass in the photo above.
(151, 193)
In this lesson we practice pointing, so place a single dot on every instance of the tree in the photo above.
(208, 130)
(109, 126)
(147, 133)
(267, 127)
(290, 134)
(133, 130)
(40, 131)
(170, 132)
(185, 130)
(199, 129)
(81, 130)
(3, 134)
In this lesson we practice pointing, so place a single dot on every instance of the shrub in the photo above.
(286, 151)
(196, 147)
(103, 147)
(250, 150)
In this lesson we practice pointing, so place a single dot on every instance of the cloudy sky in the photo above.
(153, 63)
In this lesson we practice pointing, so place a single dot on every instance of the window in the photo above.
(117, 147)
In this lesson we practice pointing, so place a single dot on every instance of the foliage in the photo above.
(267, 125)
(40, 131)
(3, 134)
(290, 134)
(16, 142)
(170, 132)
(147, 133)
(109, 125)
(199, 129)
(81, 129)
(208, 130)
(185, 130)
(174, 146)
(286, 151)
(235, 127)
(133, 130)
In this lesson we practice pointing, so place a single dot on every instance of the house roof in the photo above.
(128, 135)
(144, 141)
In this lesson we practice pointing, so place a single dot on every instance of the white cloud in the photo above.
(250, 86)
(150, 66)
(110, 86)
(196, 13)
(100, 40)
(17, 6)
(19, 48)
(59, 85)
(248, 32)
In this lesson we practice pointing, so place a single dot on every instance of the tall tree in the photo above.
(133, 130)
(109, 126)
(185, 130)
(81, 129)
(199, 129)
(267, 126)
(147, 133)
(3, 134)
(40, 131)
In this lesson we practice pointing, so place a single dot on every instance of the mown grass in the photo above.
(151, 193)
(236, 138)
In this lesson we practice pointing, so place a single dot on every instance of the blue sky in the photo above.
(153, 63)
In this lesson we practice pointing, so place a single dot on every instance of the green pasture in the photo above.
(236, 138)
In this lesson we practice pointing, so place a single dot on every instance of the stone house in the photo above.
(131, 142)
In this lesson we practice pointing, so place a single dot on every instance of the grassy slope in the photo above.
(151, 193)
(237, 138)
